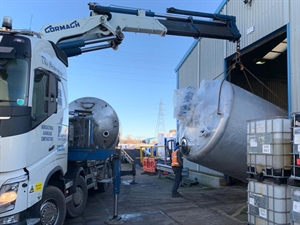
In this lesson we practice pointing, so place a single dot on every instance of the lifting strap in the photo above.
(243, 69)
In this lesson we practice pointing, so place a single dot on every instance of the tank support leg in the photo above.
(130, 172)
(116, 191)
(133, 174)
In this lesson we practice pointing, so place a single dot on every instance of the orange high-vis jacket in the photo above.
(175, 158)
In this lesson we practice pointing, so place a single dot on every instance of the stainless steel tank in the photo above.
(106, 132)
(213, 125)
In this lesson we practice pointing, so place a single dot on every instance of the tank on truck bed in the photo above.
(98, 118)
(93, 137)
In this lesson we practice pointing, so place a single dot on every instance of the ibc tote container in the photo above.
(268, 203)
(269, 147)
(295, 205)
(296, 146)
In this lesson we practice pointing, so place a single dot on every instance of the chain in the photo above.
(237, 61)
(238, 52)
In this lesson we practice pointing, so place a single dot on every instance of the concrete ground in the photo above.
(149, 202)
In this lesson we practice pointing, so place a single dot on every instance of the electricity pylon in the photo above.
(160, 125)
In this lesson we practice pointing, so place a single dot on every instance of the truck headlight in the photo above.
(8, 196)
(9, 193)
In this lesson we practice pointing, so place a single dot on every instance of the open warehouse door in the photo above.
(265, 71)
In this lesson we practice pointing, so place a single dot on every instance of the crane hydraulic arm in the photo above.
(106, 24)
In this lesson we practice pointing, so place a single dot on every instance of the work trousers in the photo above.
(177, 171)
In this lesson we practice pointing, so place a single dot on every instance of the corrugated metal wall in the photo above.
(188, 73)
(211, 59)
(263, 17)
(202, 63)
(294, 38)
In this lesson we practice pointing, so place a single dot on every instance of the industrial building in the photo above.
(267, 65)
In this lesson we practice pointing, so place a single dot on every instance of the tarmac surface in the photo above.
(149, 202)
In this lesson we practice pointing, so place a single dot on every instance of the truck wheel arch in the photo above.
(73, 173)
(55, 178)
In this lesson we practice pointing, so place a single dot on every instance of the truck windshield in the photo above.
(13, 82)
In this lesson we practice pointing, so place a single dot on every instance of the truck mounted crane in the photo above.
(42, 176)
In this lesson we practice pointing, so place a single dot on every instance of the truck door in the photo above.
(45, 91)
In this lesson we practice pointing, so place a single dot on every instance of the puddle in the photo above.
(135, 215)
(126, 182)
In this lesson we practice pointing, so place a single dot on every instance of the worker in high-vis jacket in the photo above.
(177, 165)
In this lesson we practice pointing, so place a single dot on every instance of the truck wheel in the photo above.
(107, 173)
(77, 205)
(52, 207)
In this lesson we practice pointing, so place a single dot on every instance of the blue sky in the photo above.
(133, 79)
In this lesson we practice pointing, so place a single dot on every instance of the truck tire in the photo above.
(107, 173)
(76, 206)
(52, 207)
